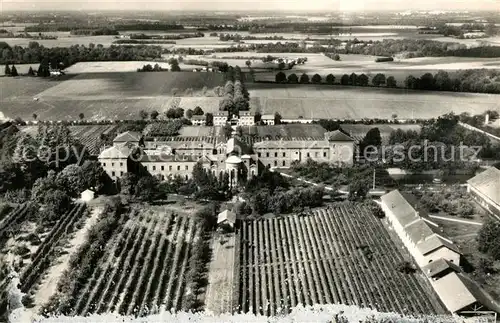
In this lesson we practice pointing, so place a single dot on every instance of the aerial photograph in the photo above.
(323, 161)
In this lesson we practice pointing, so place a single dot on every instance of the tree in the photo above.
(227, 130)
(143, 114)
(174, 65)
(304, 79)
(336, 57)
(146, 188)
(73, 180)
(358, 189)
(127, 183)
(248, 63)
(96, 177)
(43, 69)
(427, 82)
(379, 79)
(13, 71)
(198, 111)
(353, 79)
(330, 79)
(391, 81)
(411, 82)
(31, 72)
(442, 81)
(363, 80)
(277, 118)
(81, 116)
(209, 119)
(293, 79)
(372, 138)
(316, 79)
(487, 239)
(154, 115)
(7, 70)
(344, 80)
(189, 113)
(280, 77)
(35, 116)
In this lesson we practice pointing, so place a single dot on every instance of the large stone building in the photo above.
(170, 156)
(485, 188)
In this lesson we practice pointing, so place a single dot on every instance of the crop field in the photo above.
(337, 255)
(341, 102)
(104, 96)
(39, 257)
(144, 267)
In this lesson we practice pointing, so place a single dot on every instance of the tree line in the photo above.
(236, 97)
(62, 57)
(477, 81)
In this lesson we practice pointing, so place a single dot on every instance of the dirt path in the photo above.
(455, 220)
(49, 282)
(219, 299)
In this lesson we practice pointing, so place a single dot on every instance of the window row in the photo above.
(170, 167)
(316, 154)
(112, 164)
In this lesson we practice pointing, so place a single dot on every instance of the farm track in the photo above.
(340, 255)
(41, 259)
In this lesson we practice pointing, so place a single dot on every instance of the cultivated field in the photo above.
(340, 255)
(144, 267)
(101, 96)
(288, 131)
(341, 102)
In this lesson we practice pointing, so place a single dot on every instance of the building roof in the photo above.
(127, 136)
(233, 160)
(488, 183)
(292, 144)
(453, 292)
(337, 135)
(439, 266)
(115, 152)
(399, 205)
(435, 242)
(267, 117)
(418, 231)
(226, 215)
(198, 117)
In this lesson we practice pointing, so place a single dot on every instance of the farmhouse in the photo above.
(485, 188)
(423, 239)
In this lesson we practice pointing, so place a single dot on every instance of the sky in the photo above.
(227, 5)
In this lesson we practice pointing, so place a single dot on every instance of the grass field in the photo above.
(339, 102)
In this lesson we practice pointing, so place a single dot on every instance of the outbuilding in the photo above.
(226, 219)
(87, 195)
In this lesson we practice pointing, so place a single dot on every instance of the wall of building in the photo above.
(114, 167)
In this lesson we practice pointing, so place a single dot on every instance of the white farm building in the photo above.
(420, 235)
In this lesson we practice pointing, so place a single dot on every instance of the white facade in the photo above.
(87, 195)
(220, 119)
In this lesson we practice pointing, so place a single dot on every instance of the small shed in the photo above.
(226, 219)
(87, 195)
